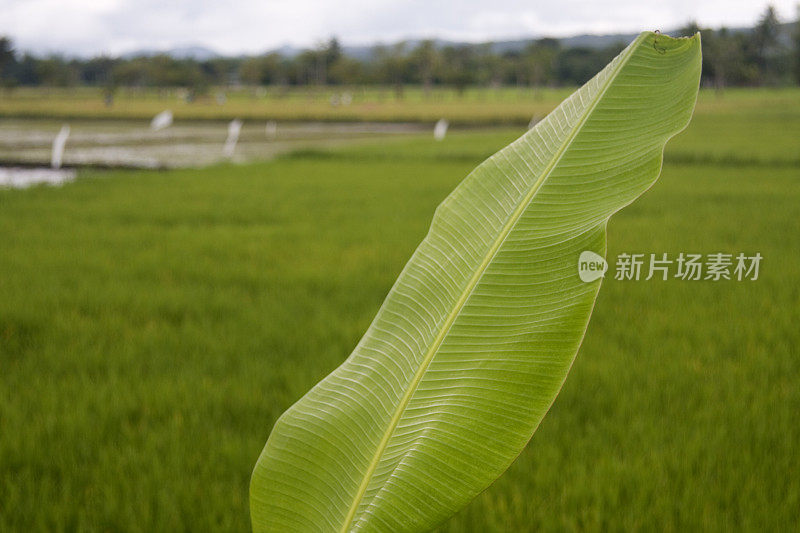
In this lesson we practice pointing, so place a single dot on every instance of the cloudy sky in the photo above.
(87, 27)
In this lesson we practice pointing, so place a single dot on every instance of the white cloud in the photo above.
(115, 26)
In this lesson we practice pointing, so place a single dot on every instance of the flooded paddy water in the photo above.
(28, 143)
(22, 177)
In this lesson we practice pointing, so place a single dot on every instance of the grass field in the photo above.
(153, 325)
(477, 106)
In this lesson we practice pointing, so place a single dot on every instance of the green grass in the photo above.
(476, 106)
(153, 325)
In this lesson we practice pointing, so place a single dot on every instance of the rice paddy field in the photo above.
(154, 325)
(188, 143)
(473, 106)
(339, 104)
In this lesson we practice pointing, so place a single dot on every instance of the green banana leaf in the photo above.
(476, 337)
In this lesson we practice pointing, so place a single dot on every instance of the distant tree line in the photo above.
(765, 55)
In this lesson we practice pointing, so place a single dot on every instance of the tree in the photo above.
(392, 65)
(27, 71)
(725, 59)
(424, 60)
(489, 66)
(8, 62)
(713, 69)
(97, 71)
(575, 66)
(221, 70)
(459, 66)
(538, 58)
(309, 67)
(56, 72)
(333, 52)
(797, 47)
(765, 44)
(766, 54)
(345, 71)
(251, 71)
(131, 73)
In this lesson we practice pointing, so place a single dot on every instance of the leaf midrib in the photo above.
(473, 282)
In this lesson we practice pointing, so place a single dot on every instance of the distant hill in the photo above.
(198, 53)
(586, 40)
(366, 52)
